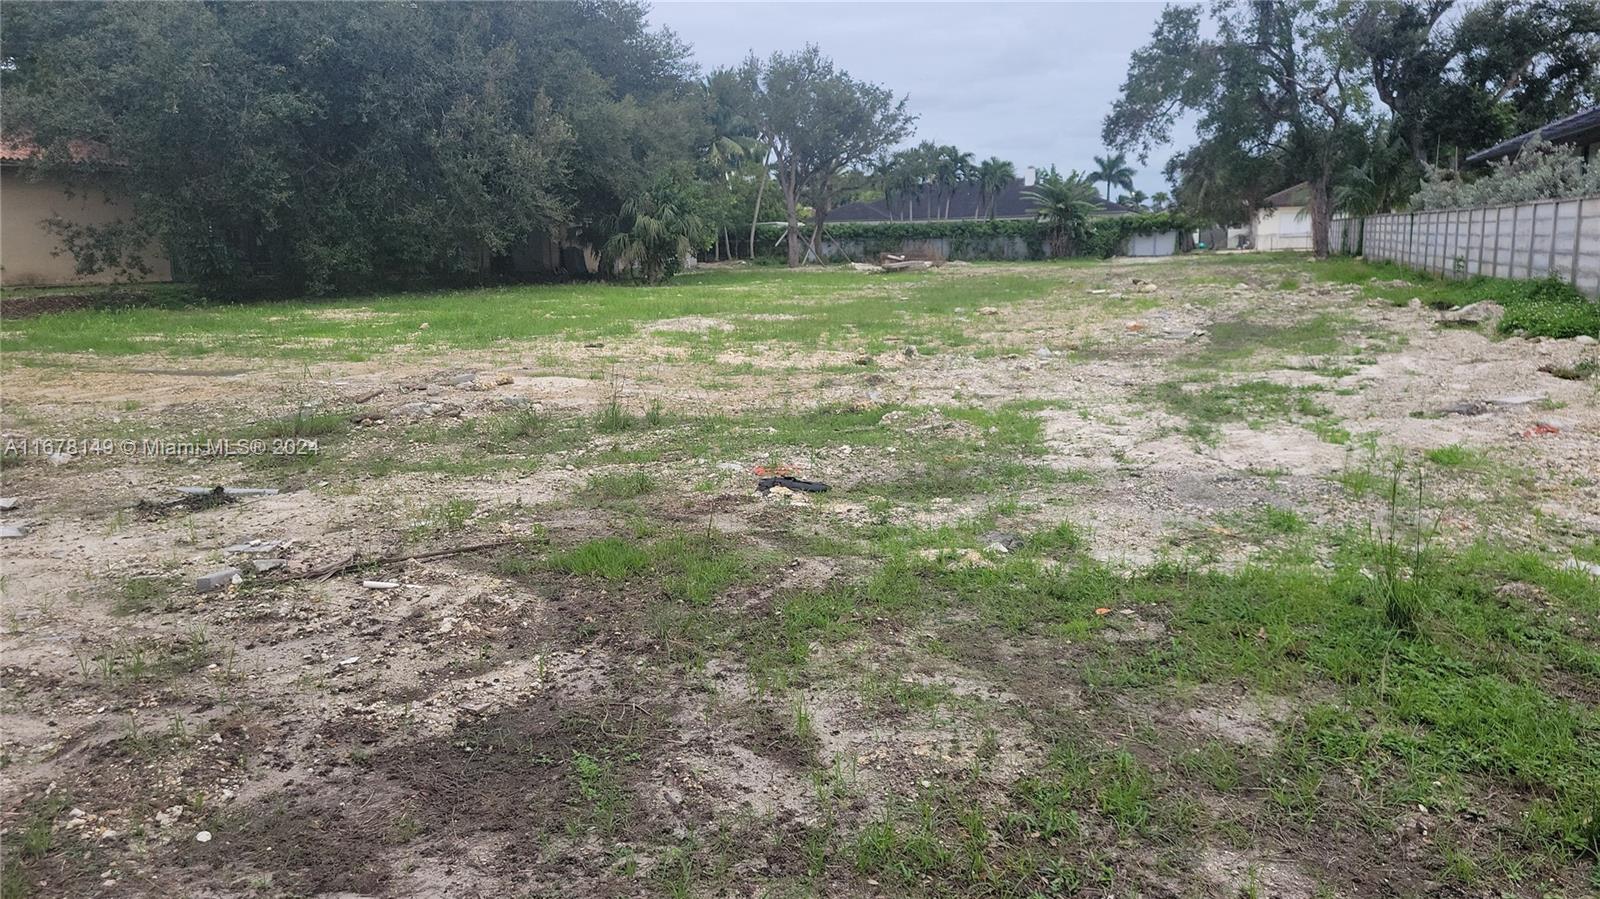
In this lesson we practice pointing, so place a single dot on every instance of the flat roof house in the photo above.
(1581, 129)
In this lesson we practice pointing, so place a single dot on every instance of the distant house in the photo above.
(1581, 130)
(29, 253)
(966, 202)
(1284, 220)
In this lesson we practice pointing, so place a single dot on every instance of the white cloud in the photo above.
(1029, 82)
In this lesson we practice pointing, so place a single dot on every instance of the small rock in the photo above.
(1580, 565)
(1518, 400)
(1010, 542)
(988, 310)
(909, 351)
(11, 532)
(863, 360)
(217, 580)
(1043, 352)
(254, 547)
(203, 836)
(7, 503)
(262, 566)
(1473, 314)
(1581, 339)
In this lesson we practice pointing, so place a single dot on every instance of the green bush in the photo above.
(1551, 308)
(975, 239)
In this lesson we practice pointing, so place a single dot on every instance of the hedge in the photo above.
(974, 239)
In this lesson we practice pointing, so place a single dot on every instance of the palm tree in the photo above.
(994, 176)
(1381, 179)
(1063, 206)
(950, 168)
(1159, 201)
(1115, 172)
(1134, 200)
(653, 232)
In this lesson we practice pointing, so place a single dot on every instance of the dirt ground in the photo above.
(560, 715)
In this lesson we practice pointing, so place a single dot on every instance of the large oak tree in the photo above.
(819, 122)
(1269, 80)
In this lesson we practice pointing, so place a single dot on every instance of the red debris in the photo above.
(1541, 429)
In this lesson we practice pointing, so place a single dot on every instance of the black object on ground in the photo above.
(766, 484)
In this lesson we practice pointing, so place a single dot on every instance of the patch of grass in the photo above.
(612, 558)
(448, 517)
(1456, 456)
(142, 594)
(1254, 402)
(303, 425)
(621, 485)
(1240, 338)
(517, 425)
(1543, 308)
(695, 569)
(26, 841)
(600, 788)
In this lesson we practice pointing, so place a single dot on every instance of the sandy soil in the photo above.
(335, 740)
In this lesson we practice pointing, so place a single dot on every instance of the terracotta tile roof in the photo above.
(23, 149)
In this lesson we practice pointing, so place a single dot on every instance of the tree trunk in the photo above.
(760, 188)
(791, 200)
(1321, 215)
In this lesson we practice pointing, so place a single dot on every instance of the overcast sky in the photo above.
(1028, 82)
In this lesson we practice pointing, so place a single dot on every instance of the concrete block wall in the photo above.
(1518, 241)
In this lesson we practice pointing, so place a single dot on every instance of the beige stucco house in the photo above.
(1284, 220)
(32, 256)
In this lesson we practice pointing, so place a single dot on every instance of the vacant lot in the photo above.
(1212, 577)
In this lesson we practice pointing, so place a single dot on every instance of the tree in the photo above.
(1159, 201)
(1276, 81)
(994, 176)
(1113, 169)
(733, 144)
(1381, 176)
(951, 168)
(1062, 206)
(1134, 200)
(819, 122)
(654, 232)
(1455, 84)
(322, 147)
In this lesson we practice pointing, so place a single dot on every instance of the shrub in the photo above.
(1540, 171)
(1549, 307)
(978, 239)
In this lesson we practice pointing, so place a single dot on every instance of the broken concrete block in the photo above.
(262, 566)
(231, 491)
(9, 531)
(7, 503)
(217, 580)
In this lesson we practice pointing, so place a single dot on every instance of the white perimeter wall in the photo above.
(1520, 241)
